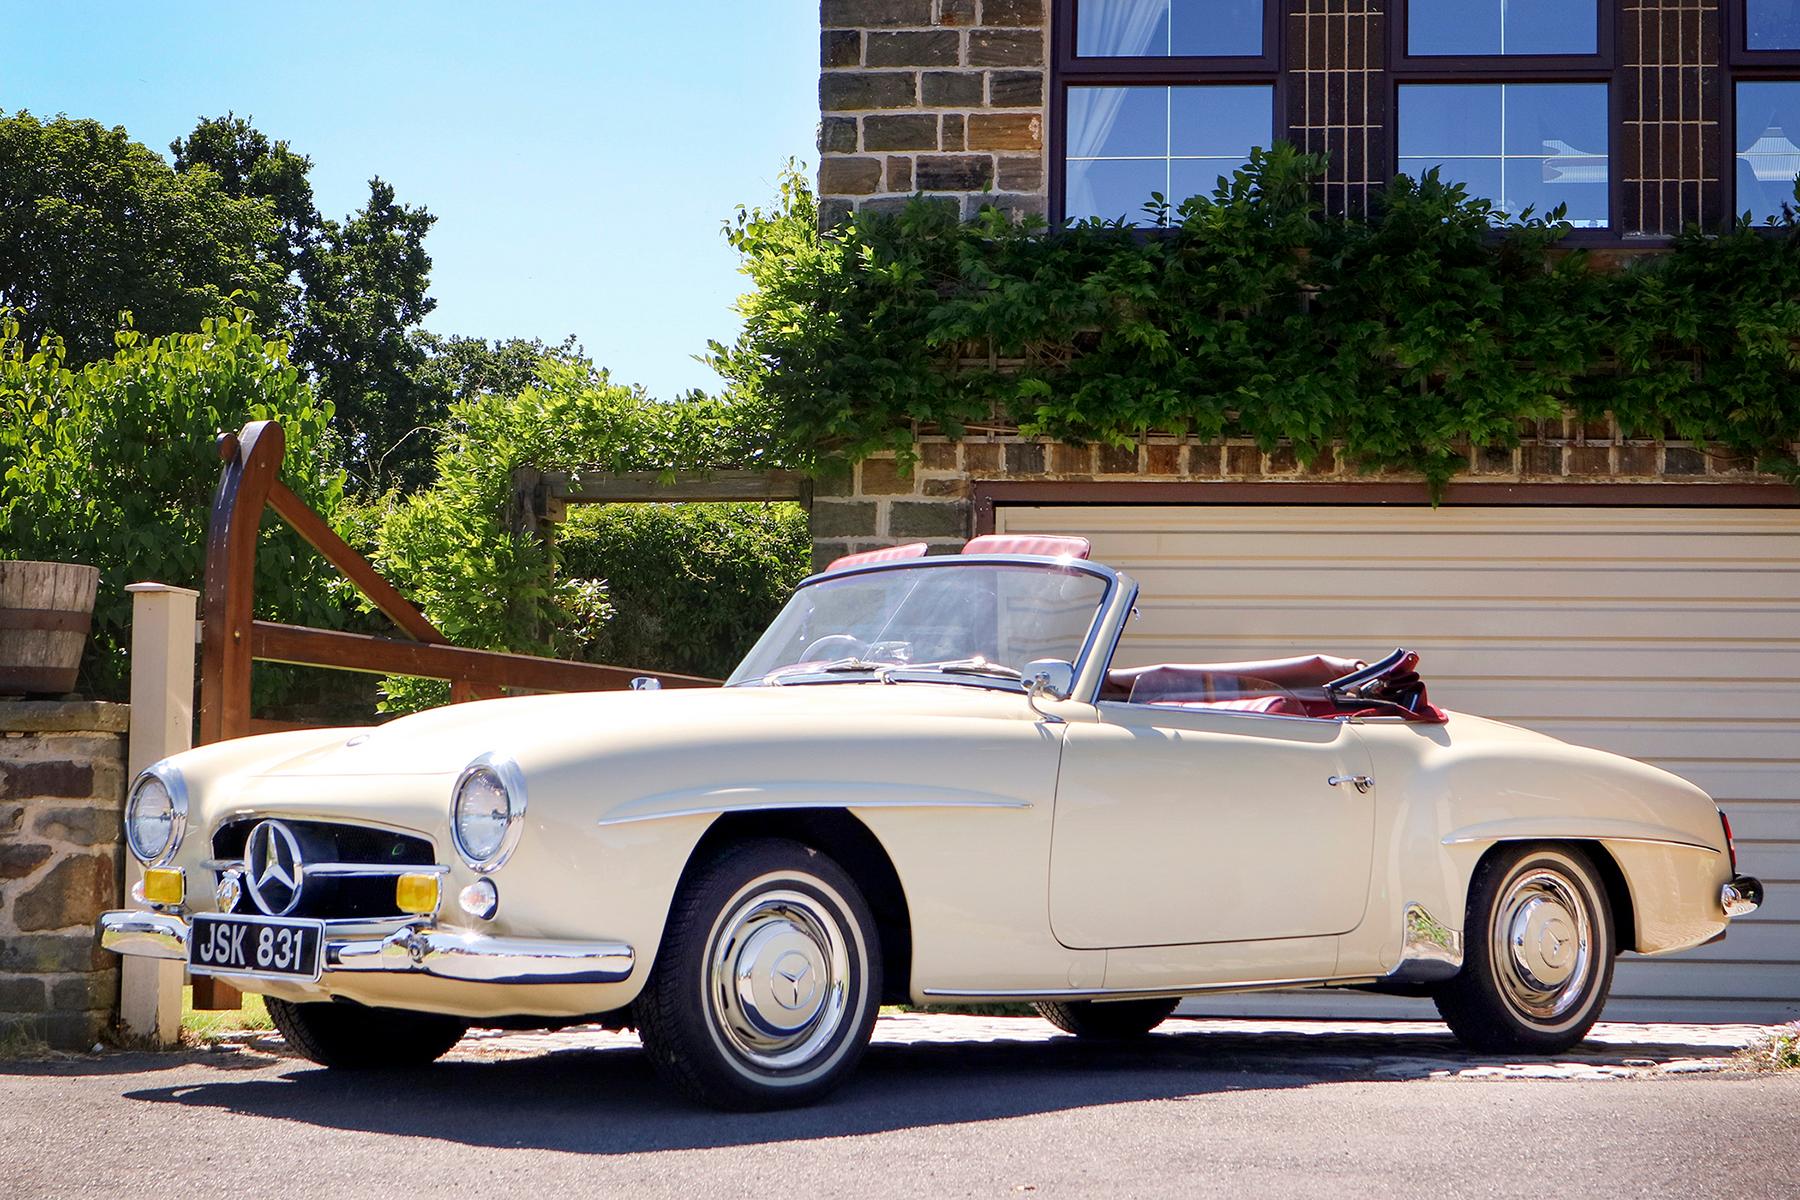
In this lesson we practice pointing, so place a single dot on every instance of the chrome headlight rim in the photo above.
(512, 782)
(175, 785)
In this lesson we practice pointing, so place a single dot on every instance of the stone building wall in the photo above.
(62, 790)
(879, 505)
(943, 97)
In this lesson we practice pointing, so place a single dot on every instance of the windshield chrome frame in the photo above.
(1089, 665)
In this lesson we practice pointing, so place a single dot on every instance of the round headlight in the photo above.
(154, 816)
(484, 813)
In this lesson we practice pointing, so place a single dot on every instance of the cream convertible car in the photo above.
(927, 782)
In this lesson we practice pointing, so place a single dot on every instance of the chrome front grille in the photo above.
(346, 872)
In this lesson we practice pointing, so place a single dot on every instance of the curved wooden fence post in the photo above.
(252, 462)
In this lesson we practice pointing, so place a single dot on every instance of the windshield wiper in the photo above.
(839, 666)
(955, 666)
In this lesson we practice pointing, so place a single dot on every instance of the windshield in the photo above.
(967, 620)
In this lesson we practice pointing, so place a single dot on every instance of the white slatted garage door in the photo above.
(1671, 635)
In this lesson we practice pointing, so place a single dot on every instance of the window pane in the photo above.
(1127, 142)
(1502, 27)
(1768, 120)
(1519, 145)
(1772, 24)
(1132, 28)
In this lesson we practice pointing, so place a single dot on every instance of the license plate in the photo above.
(230, 945)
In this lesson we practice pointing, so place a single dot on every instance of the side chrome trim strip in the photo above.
(1103, 993)
(825, 795)
(1464, 839)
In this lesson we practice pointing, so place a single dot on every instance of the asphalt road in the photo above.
(939, 1109)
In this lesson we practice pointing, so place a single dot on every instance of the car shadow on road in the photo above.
(607, 1101)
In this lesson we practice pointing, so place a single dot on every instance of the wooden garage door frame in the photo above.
(988, 495)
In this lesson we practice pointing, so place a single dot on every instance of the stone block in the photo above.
(981, 457)
(1071, 460)
(833, 211)
(76, 890)
(1006, 48)
(1012, 12)
(1683, 460)
(1162, 459)
(850, 176)
(855, 14)
(85, 992)
(1243, 462)
(953, 172)
(950, 89)
(842, 91)
(823, 556)
(837, 135)
(929, 48)
(57, 777)
(71, 1030)
(50, 953)
(18, 860)
(64, 716)
(950, 489)
(1590, 460)
(882, 477)
(1494, 460)
(924, 518)
(1638, 460)
(1025, 458)
(1006, 131)
(22, 994)
(12, 818)
(85, 826)
(899, 175)
(1206, 461)
(1016, 89)
(840, 518)
(908, 131)
(937, 456)
(1541, 460)
(953, 136)
(956, 12)
(1118, 460)
(840, 48)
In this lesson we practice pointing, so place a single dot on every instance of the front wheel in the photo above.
(1539, 952)
(352, 1037)
(766, 988)
(1108, 1020)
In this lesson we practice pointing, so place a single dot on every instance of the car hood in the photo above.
(548, 730)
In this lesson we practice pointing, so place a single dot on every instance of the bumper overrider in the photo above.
(1743, 895)
(418, 949)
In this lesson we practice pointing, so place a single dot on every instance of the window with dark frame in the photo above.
(1511, 98)
(1763, 54)
(1158, 98)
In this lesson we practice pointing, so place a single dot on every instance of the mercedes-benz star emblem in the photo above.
(274, 872)
(792, 988)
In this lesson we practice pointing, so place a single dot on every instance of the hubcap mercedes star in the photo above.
(1543, 944)
(778, 978)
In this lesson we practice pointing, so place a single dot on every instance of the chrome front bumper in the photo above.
(414, 949)
(1743, 895)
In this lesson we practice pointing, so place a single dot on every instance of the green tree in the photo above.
(93, 224)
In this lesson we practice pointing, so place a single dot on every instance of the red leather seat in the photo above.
(884, 554)
(1043, 544)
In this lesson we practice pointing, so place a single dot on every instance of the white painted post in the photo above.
(162, 723)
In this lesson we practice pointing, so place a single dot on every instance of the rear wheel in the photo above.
(1106, 1020)
(765, 990)
(352, 1037)
(1539, 952)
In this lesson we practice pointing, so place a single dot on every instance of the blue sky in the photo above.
(580, 157)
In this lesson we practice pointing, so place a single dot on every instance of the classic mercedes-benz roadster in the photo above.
(931, 782)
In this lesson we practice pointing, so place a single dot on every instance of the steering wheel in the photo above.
(834, 645)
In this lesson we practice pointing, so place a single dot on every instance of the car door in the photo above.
(1179, 826)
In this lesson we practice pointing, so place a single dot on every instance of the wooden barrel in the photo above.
(45, 611)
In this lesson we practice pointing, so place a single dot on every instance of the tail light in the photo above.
(1730, 846)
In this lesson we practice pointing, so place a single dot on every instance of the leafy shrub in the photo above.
(449, 549)
(691, 586)
(114, 465)
(1402, 338)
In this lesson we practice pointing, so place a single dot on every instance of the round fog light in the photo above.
(480, 899)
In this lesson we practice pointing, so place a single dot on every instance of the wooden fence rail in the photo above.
(232, 639)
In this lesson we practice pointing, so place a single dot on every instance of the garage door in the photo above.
(1670, 635)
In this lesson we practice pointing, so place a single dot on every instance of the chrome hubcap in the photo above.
(1543, 944)
(778, 978)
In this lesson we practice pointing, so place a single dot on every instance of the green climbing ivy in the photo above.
(1401, 339)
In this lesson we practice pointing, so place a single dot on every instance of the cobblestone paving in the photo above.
(1396, 1050)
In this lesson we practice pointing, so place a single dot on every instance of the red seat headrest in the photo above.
(885, 554)
(1028, 543)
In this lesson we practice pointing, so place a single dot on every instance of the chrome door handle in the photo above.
(1362, 783)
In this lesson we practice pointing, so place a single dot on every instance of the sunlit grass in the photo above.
(1777, 1051)
(205, 1025)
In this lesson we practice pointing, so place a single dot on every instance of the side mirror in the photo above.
(1050, 677)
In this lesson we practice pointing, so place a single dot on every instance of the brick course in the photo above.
(62, 776)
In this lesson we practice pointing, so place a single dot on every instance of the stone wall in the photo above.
(878, 505)
(62, 790)
(943, 97)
